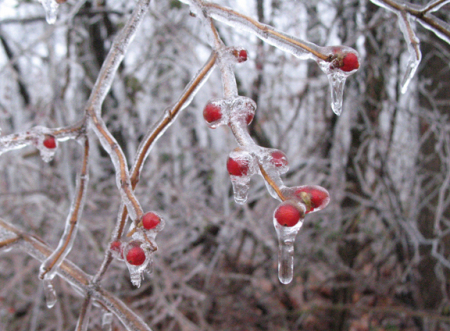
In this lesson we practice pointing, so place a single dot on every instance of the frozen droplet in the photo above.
(342, 62)
(51, 10)
(49, 292)
(241, 186)
(107, 321)
(337, 83)
(286, 239)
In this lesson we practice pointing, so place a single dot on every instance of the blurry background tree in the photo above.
(377, 258)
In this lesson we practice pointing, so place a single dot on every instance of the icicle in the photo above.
(51, 10)
(337, 84)
(50, 294)
(241, 186)
(287, 220)
(107, 321)
(413, 43)
(344, 62)
(137, 257)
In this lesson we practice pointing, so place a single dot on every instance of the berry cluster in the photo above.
(136, 252)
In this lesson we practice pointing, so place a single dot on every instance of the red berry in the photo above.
(237, 167)
(350, 62)
(278, 159)
(212, 113)
(249, 118)
(116, 246)
(136, 255)
(49, 142)
(242, 56)
(150, 220)
(313, 197)
(287, 215)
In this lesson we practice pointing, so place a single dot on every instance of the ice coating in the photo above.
(314, 197)
(136, 271)
(415, 55)
(217, 113)
(296, 47)
(117, 156)
(241, 165)
(107, 319)
(49, 267)
(242, 110)
(435, 5)
(337, 71)
(286, 239)
(49, 292)
(51, 10)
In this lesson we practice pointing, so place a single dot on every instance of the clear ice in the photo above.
(51, 10)
(107, 321)
(415, 55)
(49, 292)
(286, 240)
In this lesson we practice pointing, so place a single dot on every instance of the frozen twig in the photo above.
(70, 230)
(94, 105)
(229, 83)
(404, 12)
(148, 142)
(77, 278)
(297, 47)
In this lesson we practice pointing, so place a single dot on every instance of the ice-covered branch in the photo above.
(48, 267)
(45, 139)
(75, 276)
(406, 11)
(94, 105)
(299, 48)
(249, 159)
(148, 142)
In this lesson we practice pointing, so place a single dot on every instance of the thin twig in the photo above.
(147, 143)
(39, 250)
(265, 31)
(98, 94)
(76, 210)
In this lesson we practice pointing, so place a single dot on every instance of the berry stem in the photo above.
(271, 182)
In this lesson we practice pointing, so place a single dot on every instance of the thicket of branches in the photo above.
(376, 258)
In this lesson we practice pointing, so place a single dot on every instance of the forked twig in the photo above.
(39, 250)
(148, 142)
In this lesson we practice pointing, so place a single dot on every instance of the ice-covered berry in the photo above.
(287, 214)
(212, 113)
(314, 197)
(150, 220)
(237, 167)
(136, 255)
(49, 142)
(345, 61)
(242, 56)
(350, 62)
(117, 249)
(278, 159)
